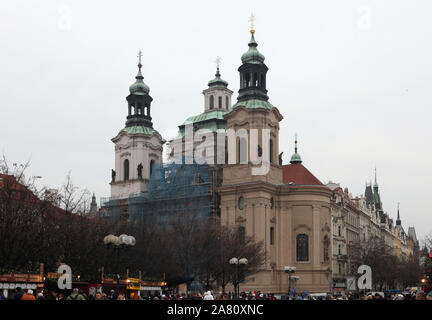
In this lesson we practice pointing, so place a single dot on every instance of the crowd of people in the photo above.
(78, 294)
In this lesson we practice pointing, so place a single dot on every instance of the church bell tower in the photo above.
(138, 146)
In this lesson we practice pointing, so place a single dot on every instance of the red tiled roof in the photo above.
(298, 174)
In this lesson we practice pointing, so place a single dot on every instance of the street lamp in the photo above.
(290, 270)
(235, 262)
(117, 243)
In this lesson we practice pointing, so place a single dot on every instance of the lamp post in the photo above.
(237, 263)
(290, 270)
(117, 243)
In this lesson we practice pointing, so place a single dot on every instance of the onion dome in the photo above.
(218, 81)
(252, 55)
(139, 87)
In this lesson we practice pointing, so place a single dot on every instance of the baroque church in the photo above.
(286, 206)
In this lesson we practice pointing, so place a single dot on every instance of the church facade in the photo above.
(227, 162)
(285, 207)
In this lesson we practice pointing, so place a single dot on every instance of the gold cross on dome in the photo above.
(251, 20)
(139, 56)
(218, 60)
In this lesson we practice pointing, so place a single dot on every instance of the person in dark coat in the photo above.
(52, 295)
(18, 293)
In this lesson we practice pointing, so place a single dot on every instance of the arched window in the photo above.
(339, 231)
(241, 234)
(302, 245)
(271, 235)
(151, 166)
(126, 169)
(220, 102)
(271, 150)
(226, 102)
(255, 80)
(247, 80)
(242, 150)
(326, 248)
(211, 102)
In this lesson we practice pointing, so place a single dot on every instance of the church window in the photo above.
(262, 81)
(126, 169)
(302, 245)
(151, 166)
(271, 235)
(241, 203)
(241, 234)
(226, 102)
(326, 248)
(242, 148)
(255, 79)
(220, 102)
(211, 102)
(271, 151)
(247, 80)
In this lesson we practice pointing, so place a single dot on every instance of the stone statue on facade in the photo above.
(113, 175)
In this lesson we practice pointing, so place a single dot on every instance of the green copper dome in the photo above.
(296, 158)
(139, 87)
(218, 81)
(252, 55)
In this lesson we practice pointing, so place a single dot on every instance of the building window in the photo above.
(339, 231)
(126, 169)
(242, 147)
(326, 248)
(241, 234)
(271, 235)
(340, 249)
(211, 102)
(220, 102)
(302, 241)
(226, 102)
(241, 203)
(151, 166)
(271, 203)
(271, 151)
(340, 268)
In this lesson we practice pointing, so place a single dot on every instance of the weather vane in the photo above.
(252, 25)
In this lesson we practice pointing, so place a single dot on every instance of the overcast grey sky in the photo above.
(352, 78)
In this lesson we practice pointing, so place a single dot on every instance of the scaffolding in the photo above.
(173, 189)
